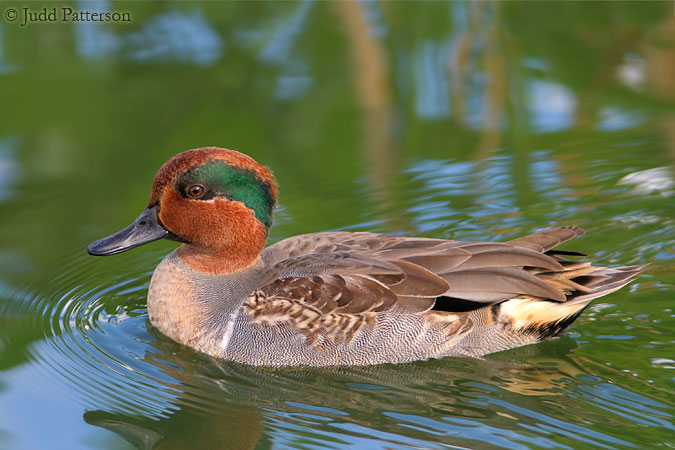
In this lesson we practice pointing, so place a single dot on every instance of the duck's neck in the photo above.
(217, 262)
(194, 308)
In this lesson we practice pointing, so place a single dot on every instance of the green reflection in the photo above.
(457, 120)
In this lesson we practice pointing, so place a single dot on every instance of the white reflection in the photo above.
(663, 363)
(632, 72)
(657, 180)
(551, 105)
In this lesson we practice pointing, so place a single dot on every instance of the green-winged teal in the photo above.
(340, 298)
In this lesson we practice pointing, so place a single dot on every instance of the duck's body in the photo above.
(340, 298)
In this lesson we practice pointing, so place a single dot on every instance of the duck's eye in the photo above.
(196, 190)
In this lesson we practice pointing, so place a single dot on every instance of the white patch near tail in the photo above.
(525, 312)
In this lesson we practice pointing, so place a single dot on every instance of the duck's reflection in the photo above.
(232, 427)
(233, 406)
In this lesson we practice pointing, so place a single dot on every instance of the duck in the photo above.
(341, 298)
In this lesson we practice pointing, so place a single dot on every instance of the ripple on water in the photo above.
(86, 327)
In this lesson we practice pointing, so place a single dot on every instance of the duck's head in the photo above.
(217, 202)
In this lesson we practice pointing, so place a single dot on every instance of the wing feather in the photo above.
(362, 274)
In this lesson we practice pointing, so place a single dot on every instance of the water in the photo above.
(450, 120)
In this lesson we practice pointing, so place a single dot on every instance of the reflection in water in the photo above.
(294, 82)
(5, 66)
(485, 190)
(552, 106)
(284, 34)
(175, 36)
(633, 72)
(417, 404)
(94, 40)
(471, 120)
(236, 428)
(275, 44)
(373, 85)
(430, 80)
(295, 79)
(10, 172)
(657, 180)
(611, 118)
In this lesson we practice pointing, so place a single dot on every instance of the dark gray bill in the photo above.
(146, 228)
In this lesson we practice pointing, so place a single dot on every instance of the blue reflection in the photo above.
(171, 37)
(545, 175)
(490, 187)
(280, 44)
(551, 105)
(471, 429)
(294, 82)
(92, 38)
(629, 405)
(547, 423)
(372, 13)
(295, 79)
(5, 67)
(432, 99)
(614, 119)
(175, 36)
(10, 170)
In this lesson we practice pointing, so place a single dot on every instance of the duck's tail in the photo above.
(581, 283)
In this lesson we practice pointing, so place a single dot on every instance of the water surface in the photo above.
(449, 120)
